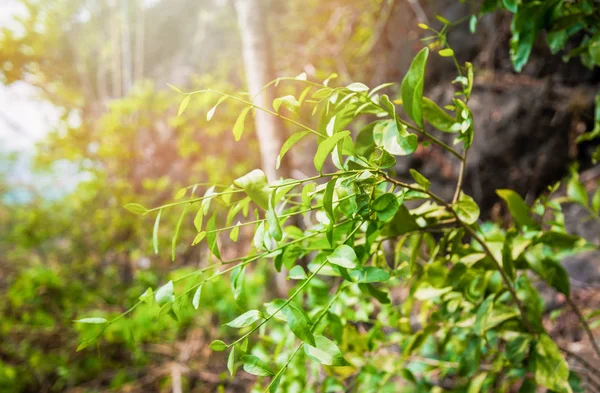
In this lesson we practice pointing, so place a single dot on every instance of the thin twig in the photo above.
(585, 325)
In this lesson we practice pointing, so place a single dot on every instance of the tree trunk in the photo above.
(256, 54)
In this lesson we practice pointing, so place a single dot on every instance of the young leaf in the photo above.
(155, 232)
(289, 102)
(181, 193)
(394, 138)
(291, 141)
(325, 352)
(233, 235)
(211, 112)
(136, 208)
(326, 146)
(551, 369)
(420, 179)
(231, 362)
(177, 229)
(357, 87)
(93, 320)
(199, 237)
(165, 294)
(174, 88)
(196, 298)
(238, 127)
(297, 273)
(255, 366)
(517, 207)
(274, 226)
(183, 105)
(576, 190)
(437, 117)
(412, 87)
(246, 319)
(218, 346)
(212, 235)
(256, 187)
(386, 206)
(299, 322)
(466, 209)
(343, 256)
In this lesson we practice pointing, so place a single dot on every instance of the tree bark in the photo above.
(256, 53)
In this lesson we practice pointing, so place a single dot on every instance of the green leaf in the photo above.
(357, 87)
(231, 362)
(233, 235)
(596, 201)
(412, 87)
(394, 138)
(289, 102)
(181, 193)
(218, 346)
(196, 298)
(238, 127)
(326, 146)
(155, 232)
(420, 179)
(551, 369)
(256, 186)
(343, 256)
(93, 320)
(438, 117)
(297, 273)
(246, 319)
(511, 5)
(466, 209)
(403, 222)
(291, 141)
(517, 207)
(386, 206)
(328, 207)
(299, 322)
(325, 352)
(199, 237)
(274, 226)
(211, 112)
(448, 52)
(136, 208)
(552, 272)
(175, 88)
(183, 105)
(177, 230)
(576, 190)
(255, 366)
(212, 235)
(476, 383)
(370, 274)
(165, 294)
(473, 24)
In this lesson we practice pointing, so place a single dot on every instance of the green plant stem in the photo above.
(479, 240)
(193, 200)
(461, 176)
(432, 139)
(585, 325)
(288, 301)
(312, 329)
(245, 261)
(250, 104)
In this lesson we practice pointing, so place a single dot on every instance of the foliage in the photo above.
(454, 305)
(563, 21)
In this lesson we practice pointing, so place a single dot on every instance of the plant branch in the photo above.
(585, 325)
(478, 239)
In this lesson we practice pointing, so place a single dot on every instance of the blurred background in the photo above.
(88, 124)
